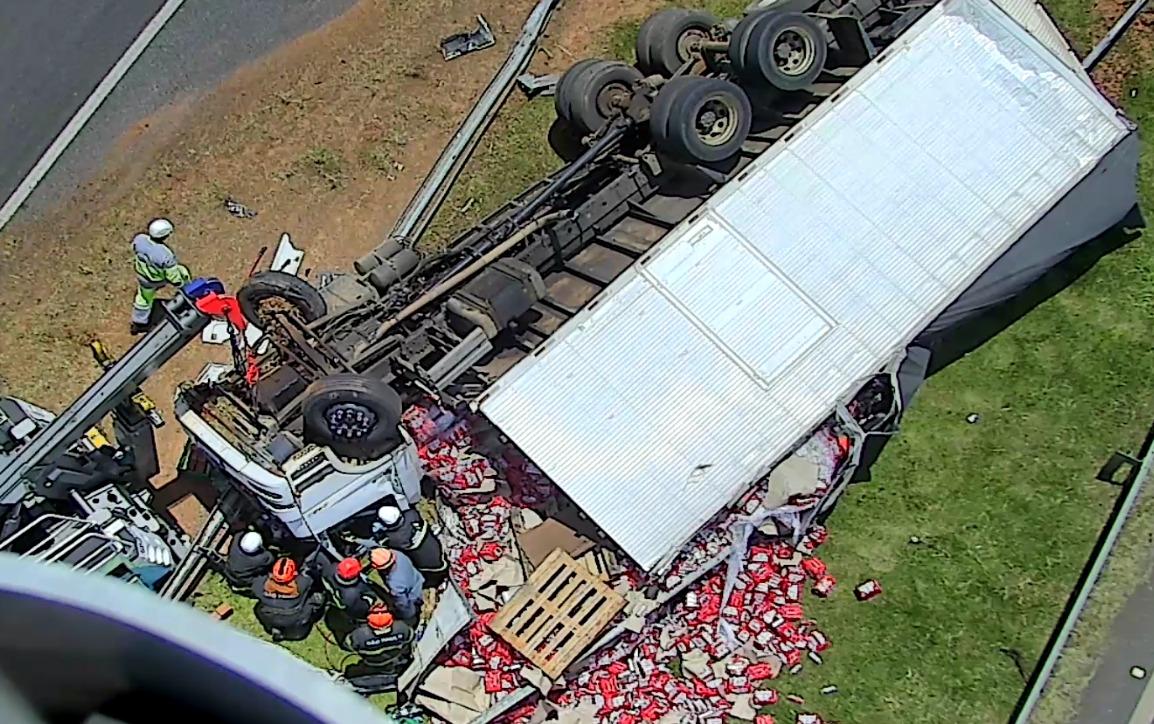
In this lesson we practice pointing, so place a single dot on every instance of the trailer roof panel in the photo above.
(713, 356)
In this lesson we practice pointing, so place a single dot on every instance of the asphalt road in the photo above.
(1113, 694)
(53, 53)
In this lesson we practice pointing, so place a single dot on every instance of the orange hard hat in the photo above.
(348, 569)
(284, 570)
(379, 616)
(382, 558)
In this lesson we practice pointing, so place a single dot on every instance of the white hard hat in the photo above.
(389, 515)
(251, 542)
(159, 229)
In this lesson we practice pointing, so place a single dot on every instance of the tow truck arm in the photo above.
(34, 467)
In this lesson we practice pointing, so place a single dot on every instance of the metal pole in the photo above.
(1086, 587)
(1107, 43)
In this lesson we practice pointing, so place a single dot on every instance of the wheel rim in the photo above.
(612, 96)
(350, 421)
(689, 43)
(794, 52)
(717, 121)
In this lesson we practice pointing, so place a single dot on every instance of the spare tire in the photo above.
(354, 415)
(303, 297)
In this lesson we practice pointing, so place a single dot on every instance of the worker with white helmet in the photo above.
(407, 531)
(156, 267)
(248, 559)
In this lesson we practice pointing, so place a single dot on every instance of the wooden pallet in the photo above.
(559, 611)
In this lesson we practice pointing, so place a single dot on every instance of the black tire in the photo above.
(563, 93)
(593, 90)
(307, 301)
(354, 415)
(786, 50)
(565, 141)
(739, 42)
(684, 104)
(665, 36)
(659, 112)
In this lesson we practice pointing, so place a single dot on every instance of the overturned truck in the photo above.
(766, 224)
(757, 218)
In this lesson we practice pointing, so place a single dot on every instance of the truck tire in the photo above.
(595, 92)
(786, 50)
(664, 42)
(739, 42)
(659, 112)
(354, 415)
(565, 141)
(700, 120)
(264, 285)
(563, 93)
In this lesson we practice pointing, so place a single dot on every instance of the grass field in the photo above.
(1005, 511)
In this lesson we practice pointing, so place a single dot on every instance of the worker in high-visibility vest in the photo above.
(156, 267)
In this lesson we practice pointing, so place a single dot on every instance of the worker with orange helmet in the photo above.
(348, 588)
(286, 604)
(406, 531)
(403, 582)
(383, 642)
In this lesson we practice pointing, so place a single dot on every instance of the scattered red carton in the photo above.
(867, 590)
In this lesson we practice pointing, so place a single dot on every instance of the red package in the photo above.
(792, 612)
(824, 586)
(659, 679)
(764, 719)
(867, 590)
(492, 682)
(792, 658)
(700, 688)
(784, 552)
(814, 567)
(765, 697)
(491, 552)
(759, 672)
(818, 642)
(760, 554)
(816, 536)
(737, 685)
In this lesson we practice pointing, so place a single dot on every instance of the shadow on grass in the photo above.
(969, 336)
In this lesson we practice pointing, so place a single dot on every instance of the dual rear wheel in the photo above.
(693, 119)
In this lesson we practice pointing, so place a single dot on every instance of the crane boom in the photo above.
(184, 316)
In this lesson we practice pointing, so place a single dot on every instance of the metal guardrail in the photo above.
(1115, 34)
(417, 216)
(1139, 471)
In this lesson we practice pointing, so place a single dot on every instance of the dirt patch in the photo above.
(579, 29)
(326, 138)
(1117, 74)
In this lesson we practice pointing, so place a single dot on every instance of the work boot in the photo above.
(138, 328)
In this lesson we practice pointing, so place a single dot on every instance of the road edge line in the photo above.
(79, 119)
